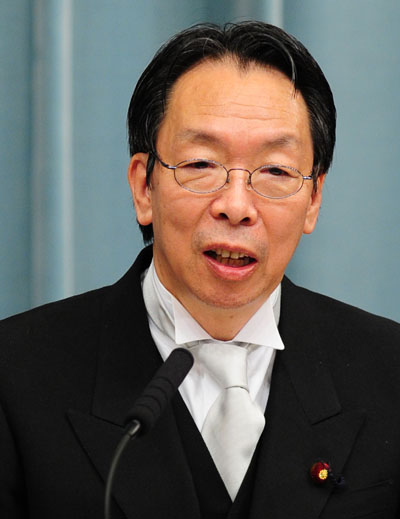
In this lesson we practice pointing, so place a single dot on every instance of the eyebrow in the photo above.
(196, 136)
(203, 137)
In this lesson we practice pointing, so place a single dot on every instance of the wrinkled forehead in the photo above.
(218, 99)
(213, 67)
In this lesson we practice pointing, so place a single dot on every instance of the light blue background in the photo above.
(67, 223)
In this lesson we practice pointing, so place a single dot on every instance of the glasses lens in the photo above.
(276, 181)
(200, 175)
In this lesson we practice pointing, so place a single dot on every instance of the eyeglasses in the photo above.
(208, 176)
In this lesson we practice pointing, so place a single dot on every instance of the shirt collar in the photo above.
(170, 316)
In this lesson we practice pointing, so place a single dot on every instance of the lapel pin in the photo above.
(321, 472)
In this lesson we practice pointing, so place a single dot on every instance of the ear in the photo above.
(141, 192)
(314, 207)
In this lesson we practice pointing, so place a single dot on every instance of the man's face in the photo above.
(242, 119)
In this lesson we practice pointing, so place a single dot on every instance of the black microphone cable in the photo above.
(148, 408)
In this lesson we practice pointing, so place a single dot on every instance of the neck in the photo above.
(222, 324)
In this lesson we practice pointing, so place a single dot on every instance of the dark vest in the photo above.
(213, 498)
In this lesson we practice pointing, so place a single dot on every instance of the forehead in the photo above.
(221, 100)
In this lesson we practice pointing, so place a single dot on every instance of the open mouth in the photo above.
(231, 258)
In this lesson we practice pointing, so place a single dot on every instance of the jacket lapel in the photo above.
(304, 421)
(153, 478)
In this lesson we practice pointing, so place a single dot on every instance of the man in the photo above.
(231, 136)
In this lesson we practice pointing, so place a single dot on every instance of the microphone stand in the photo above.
(148, 408)
(129, 435)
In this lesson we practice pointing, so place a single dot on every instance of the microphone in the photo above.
(157, 394)
(149, 407)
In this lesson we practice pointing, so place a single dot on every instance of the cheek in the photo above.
(176, 215)
(284, 227)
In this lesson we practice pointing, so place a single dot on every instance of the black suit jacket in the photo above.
(70, 371)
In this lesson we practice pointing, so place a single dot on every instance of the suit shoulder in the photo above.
(70, 306)
(339, 316)
(53, 324)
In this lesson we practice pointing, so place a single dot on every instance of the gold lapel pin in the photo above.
(321, 472)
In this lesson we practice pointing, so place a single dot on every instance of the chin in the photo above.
(227, 301)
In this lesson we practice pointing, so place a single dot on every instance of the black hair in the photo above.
(250, 42)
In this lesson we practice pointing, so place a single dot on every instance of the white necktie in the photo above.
(234, 423)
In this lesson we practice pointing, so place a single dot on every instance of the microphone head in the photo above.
(158, 393)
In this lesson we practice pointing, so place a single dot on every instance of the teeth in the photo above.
(230, 254)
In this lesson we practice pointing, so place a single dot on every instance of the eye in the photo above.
(200, 175)
(199, 164)
(276, 171)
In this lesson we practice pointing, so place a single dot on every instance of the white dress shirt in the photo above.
(172, 326)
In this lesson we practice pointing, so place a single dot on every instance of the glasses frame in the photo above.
(174, 168)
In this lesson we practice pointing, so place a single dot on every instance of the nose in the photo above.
(235, 201)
